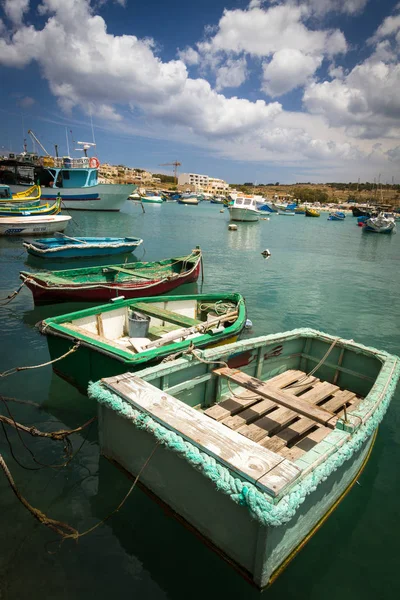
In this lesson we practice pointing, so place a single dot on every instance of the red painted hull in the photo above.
(50, 294)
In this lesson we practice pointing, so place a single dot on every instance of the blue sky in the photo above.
(273, 90)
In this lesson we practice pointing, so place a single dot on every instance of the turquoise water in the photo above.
(327, 275)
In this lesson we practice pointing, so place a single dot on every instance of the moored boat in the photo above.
(189, 199)
(311, 212)
(65, 246)
(286, 213)
(96, 284)
(255, 455)
(337, 216)
(244, 209)
(358, 212)
(379, 224)
(27, 211)
(127, 335)
(33, 225)
(29, 198)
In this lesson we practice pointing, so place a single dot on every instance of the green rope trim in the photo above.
(260, 505)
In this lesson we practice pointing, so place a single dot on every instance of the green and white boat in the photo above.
(256, 442)
(126, 335)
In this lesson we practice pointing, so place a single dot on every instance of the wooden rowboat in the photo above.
(130, 334)
(64, 246)
(33, 225)
(255, 453)
(96, 284)
(28, 211)
(29, 198)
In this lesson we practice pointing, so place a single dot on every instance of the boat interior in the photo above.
(137, 326)
(272, 393)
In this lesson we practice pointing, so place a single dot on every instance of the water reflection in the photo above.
(246, 237)
(373, 247)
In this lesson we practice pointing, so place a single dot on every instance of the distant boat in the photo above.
(244, 209)
(128, 335)
(102, 283)
(311, 212)
(286, 213)
(380, 224)
(337, 216)
(152, 198)
(190, 199)
(33, 225)
(27, 199)
(358, 212)
(65, 246)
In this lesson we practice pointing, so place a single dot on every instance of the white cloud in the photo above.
(288, 69)
(388, 27)
(350, 7)
(232, 74)
(15, 10)
(189, 56)
(26, 102)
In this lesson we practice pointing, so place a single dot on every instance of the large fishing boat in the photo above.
(75, 179)
(256, 442)
(128, 335)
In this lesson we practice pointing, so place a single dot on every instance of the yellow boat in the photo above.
(32, 193)
(311, 212)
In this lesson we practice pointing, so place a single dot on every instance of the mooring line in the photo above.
(50, 362)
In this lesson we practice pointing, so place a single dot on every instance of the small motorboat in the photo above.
(127, 335)
(337, 216)
(379, 224)
(64, 246)
(244, 209)
(102, 283)
(311, 212)
(33, 225)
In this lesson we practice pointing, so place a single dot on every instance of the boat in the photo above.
(379, 224)
(257, 441)
(244, 209)
(337, 216)
(299, 210)
(358, 212)
(102, 283)
(190, 199)
(128, 335)
(8, 200)
(75, 178)
(152, 198)
(311, 212)
(65, 246)
(286, 213)
(28, 195)
(33, 225)
(217, 200)
(28, 211)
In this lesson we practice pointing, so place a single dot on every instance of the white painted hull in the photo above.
(33, 225)
(103, 196)
(243, 214)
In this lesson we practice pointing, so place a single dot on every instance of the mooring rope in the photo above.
(11, 296)
(50, 362)
(302, 379)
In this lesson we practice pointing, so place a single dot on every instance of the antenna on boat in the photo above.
(66, 137)
(86, 147)
(91, 123)
(35, 139)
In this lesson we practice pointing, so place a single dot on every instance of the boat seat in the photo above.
(139, 344)
(165, 315)
(128, 271)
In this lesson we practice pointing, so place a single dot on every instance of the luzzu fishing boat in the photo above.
(311, 212)
(337, 216)
(64, 246)
(102, 283)
(256, 442)
(27, 199)
(127, 335)
(28, 211)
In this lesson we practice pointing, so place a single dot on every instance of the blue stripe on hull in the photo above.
(81, 197)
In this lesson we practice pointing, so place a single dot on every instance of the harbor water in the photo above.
(321, 274)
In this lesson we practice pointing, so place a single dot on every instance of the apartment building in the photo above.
(203, 183)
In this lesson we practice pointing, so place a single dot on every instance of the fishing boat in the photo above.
(217, 200)
(337, 216)
(75, 178)
(25, 199)
(96, 284)
(257, 441)
(128, 335)
(152, 198)
(64, 246)
(33, 225)
(358, 212)
(286, 213)
(379, 224)
(189, 199)
(28, 211)
(311, 212)
(299, 210)
(244, 209)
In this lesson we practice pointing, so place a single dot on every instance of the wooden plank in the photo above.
(232, 406)
(308, 442)
(339, 399)
(243, 456)
(286, 399)
(164, 315)
(279, 478)
(129, 272)
(100, 328)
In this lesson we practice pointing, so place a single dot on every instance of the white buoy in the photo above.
(221, 211)
(266, 253)
(232, 227)
(248, 324)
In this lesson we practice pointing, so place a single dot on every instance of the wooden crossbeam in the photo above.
(284, 398)
(164, 315)
(128, 271)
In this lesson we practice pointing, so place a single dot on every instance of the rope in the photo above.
(50, 362)
(13, 294)
(321, 362)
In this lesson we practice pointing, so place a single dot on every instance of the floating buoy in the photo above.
(264, 218)
(221, 211)
(266, 253)
(232, 227)
(248, 324)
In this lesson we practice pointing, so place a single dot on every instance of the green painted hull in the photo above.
(96, 359)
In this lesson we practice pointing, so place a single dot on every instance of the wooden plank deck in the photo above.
(283, 430)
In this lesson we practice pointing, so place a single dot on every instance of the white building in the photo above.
(203, 183)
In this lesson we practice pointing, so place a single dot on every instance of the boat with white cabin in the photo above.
(244, 209)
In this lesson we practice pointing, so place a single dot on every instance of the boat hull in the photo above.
(103, 196)
(243, 214)
(33, 225)
(189, 201)
(88, 250)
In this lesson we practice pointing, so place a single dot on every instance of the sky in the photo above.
(245, 90)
